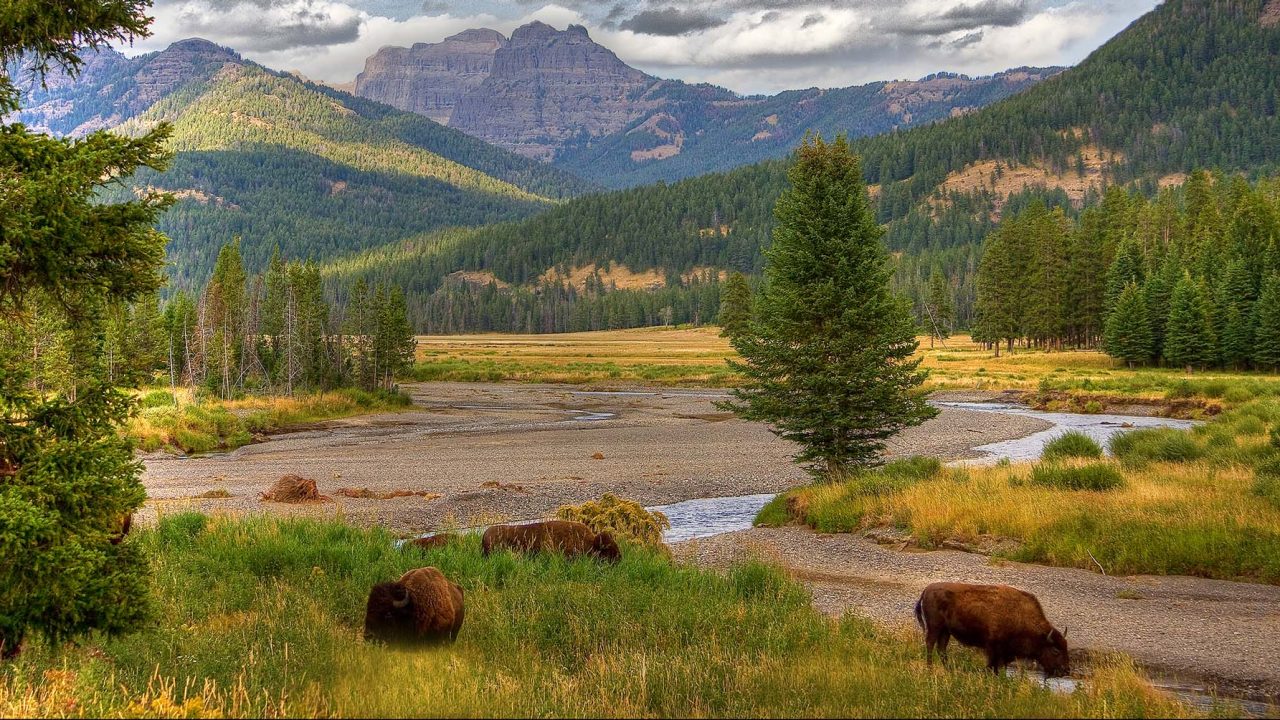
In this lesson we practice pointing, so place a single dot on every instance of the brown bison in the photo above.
(567, 536)
(422, 606)
(126, 524)
(432, 542)
(1005, 622)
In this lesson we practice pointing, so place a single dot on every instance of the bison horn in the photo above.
(1064, 631)
(402, 601)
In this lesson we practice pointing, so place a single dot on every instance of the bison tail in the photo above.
(920, 614)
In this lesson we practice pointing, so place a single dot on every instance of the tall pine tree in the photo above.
(1188, 336)
(1128, 333)
(828, 363)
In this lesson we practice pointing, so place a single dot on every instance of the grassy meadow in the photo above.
(262, 616)
(177, 421)
(1084, 381)
(1204, 502)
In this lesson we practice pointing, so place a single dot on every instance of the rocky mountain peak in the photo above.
(430, 78)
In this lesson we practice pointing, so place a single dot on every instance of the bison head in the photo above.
(1054, 658)
(606, 548)
(389, 614)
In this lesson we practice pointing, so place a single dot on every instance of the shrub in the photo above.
(914, 468)
(157, 398)
(1275, 438)
(623, 518)
(1155, 445)
(1237, 394)
(1097, 476)
(1181, 390)
(1073, 444)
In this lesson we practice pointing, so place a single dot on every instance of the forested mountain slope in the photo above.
(283, 162)
(1191, 84)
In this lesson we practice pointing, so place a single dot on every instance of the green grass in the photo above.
(262, 616)
(1096, 476)
(208, 425)
(1203, 502)
(1073, 444)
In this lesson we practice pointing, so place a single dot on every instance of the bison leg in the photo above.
(995, 660)
(936, 639)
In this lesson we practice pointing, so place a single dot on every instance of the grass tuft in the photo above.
(1073, 444)
(1096, 476)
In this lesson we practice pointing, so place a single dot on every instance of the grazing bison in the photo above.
(567, 536)
(435, 541)
(126, 524)
(422, 606)
(1005, 622)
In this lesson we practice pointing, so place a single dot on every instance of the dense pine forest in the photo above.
(1190, 279)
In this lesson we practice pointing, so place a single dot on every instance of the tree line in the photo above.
(274, 333)
(1189, 279)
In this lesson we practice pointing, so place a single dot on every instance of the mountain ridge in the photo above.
(558, 96)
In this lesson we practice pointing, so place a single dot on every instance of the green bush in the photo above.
(622, 518)
(1074, 444)
(1098, 476)
(1155, 445)
(1181, 390)
(157, 398)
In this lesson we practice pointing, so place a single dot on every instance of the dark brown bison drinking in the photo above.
(1007, 623)
(421, 607)
(565, 536)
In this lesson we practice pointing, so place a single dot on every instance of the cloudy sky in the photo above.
(751, 46)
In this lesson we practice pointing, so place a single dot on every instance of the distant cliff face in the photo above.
(548, 86)
(530, 94)
(112, 88)
(430, 79)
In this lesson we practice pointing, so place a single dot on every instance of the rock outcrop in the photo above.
(430, 78)
(548, 86)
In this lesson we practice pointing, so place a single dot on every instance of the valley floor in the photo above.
(498, 452)
(495, 452)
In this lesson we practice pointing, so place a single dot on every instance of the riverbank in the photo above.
(493, 452)
(1221, 632)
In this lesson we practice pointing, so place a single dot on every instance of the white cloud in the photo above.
(760, 45)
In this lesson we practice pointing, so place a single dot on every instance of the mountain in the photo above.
(283, 162)
(693, 132)
(1192, 84)
(559, 96)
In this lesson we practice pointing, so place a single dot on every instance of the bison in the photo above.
(432, 542)
(126, 524)
(567, 536)
(1005, 622)
(421, 607)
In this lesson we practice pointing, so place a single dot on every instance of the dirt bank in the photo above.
(494, 451)
(1226, 633)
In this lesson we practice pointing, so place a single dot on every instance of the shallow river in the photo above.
(705, 517)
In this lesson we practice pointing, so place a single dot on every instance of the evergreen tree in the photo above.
(941, 311)
(1266, 339)
(67, 474)
(1128, 333)
(226, 305)
(735, 305)
(828, 363)
(1188, 338)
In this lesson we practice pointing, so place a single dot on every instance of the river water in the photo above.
(705, 517)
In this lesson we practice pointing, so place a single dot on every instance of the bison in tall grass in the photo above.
(1007, 623)
(565, 536)
(422, 606)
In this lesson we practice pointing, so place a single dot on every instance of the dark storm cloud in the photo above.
(987, 13)
(670, 21)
